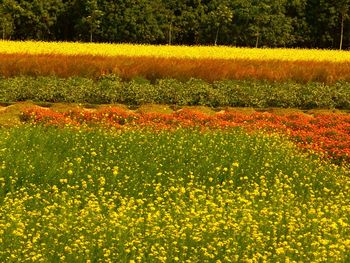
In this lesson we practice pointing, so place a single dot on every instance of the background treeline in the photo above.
(272, 23)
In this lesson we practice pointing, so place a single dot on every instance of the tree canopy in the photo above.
(252, 23)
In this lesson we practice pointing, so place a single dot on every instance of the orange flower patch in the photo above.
(328, 134)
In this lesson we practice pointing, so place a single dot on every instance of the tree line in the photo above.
(252, 23)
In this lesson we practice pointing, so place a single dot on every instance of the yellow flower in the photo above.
(235, 164)
(280, 251)
(115, 170)
(64, 181)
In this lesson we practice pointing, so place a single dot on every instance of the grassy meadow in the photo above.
(136, 153)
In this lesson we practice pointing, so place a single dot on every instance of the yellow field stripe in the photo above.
(195, 52)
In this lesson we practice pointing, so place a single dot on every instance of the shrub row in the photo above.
(111, 89)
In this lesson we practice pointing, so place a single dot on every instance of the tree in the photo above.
(6, 20)
(323, 19)
(187, 20)
(86, 17)
(137, 21)
(220, 16)
(342, 7)
(273, 23)
(7, 9)
(301, 33)
(93, 17)
(264, 22)
(34, 19)
(47, 13)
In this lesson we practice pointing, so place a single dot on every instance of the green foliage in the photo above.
(7, 9)
(35, 19)
(137, 21)
(267, 22)
(219, 19)
(294, 23)
(111, 89)
(92, 18)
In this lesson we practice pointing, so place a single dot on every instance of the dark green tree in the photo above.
(92, 17)
(265, 22)
(262, 23)
(272, 23)
(35, 19)
(219, 19)
(188, 18)
(343, 8)
(296, 11)
(136, 21)
(6, 18)
(322, 17)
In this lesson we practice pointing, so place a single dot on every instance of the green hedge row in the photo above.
(111, 89)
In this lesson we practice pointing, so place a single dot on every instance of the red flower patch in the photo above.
(326, 133)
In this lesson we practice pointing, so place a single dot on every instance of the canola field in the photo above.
(83, 182)
(168, 196)
(195, 52)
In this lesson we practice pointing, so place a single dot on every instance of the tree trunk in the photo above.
(170, 29)
(90, 34)
(341, 32)
(217, 36)
(257, 40)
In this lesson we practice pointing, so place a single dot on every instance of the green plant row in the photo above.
(111, 89)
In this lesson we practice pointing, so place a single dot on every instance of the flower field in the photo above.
(124, 161)
(180, 62)
(327, 134)
(205, 196)
(196, 52)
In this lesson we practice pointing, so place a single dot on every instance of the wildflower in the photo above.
(235, 164)
(115, 170)
(64, 181)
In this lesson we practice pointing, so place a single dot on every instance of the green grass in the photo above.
(74, 195)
